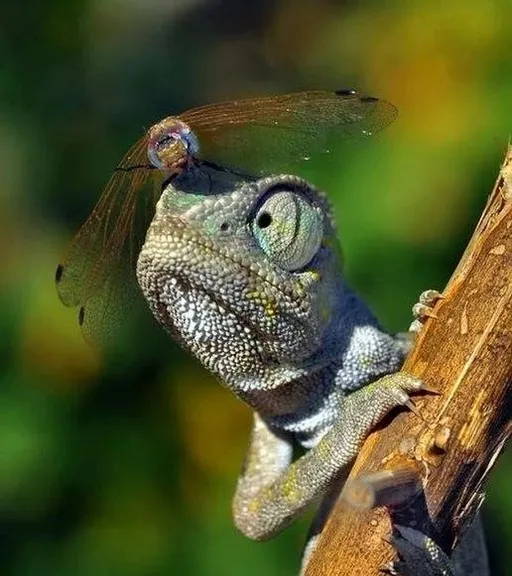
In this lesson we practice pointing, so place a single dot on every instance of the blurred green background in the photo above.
(125, 463)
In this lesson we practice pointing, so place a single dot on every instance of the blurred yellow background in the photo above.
(124, 463)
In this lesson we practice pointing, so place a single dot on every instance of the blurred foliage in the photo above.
(125, 463)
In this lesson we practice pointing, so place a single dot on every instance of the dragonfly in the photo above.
(256, 136)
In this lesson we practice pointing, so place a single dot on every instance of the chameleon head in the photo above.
(245, 274)
(171, 144)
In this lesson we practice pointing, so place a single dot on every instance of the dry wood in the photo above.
(465, 352)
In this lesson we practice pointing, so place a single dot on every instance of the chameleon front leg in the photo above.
(272, 492)
(267, 459)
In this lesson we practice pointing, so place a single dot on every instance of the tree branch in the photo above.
(464, 352)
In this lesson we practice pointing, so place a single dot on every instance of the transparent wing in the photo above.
(97, 272)
(260, 135)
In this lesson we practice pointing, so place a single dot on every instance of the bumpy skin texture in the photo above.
(246, 275)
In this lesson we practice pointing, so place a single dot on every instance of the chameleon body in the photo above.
(246, 274)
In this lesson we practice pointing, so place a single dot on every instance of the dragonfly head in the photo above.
(171, 145)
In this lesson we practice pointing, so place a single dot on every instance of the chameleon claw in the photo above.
(415, 327)
(424, 308)
(419, 385)
(430, 389)
(412, 407)
(430, 297)
(430, 314)
(421, 311)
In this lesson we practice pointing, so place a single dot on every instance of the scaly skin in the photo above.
(246, 275)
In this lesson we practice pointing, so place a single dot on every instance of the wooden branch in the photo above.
(465, 352)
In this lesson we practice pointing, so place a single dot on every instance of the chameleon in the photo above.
(246, 274)
(245, 271)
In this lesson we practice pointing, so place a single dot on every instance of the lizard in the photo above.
(246, 273)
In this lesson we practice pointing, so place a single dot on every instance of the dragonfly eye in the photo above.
(154, 158)
(159, 148)
(166, 139)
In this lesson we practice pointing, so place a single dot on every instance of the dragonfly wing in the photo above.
(104, 311)
(98, 268)
(260, 135)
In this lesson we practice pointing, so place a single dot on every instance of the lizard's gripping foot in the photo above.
(419, 555)
(366, 407)
(424, 309)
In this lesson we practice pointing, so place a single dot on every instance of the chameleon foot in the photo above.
(424, 309)
(368, 406)
(419, 555)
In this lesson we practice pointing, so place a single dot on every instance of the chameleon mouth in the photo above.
(226, 307)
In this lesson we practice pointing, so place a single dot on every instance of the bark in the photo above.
(465, 353)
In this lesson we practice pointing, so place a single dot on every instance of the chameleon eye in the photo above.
(289, 229)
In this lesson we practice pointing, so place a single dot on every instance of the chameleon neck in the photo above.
(342, 363)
